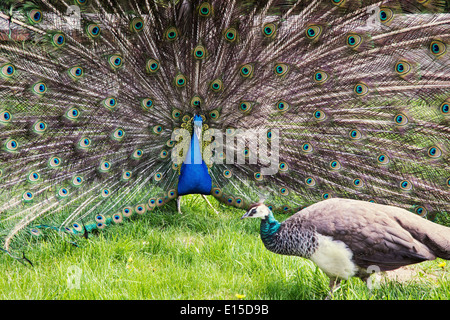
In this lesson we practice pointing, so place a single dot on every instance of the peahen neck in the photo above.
(269, 226)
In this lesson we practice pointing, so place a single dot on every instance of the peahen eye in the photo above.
(137, 24)
(93, 30)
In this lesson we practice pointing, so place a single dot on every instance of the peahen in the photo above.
(110, 108)
(351, 238)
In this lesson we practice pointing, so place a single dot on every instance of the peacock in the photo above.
(111, 108)
(352, 238)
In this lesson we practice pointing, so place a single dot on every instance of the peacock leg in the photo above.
(207, 201)
(179, 205)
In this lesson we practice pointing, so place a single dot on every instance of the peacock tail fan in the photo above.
(112, 108)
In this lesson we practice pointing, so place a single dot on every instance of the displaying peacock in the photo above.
(110, 108)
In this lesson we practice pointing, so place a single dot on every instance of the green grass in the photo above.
(199, 255)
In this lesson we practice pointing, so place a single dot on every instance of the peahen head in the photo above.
(257, 210)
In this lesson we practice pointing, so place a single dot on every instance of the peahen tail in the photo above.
(113, 108)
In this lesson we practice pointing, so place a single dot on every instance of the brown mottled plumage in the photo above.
(353, 238)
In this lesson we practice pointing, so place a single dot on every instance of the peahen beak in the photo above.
(245, 215)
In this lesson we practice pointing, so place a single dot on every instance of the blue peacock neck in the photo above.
(194, 176)
(269, 226)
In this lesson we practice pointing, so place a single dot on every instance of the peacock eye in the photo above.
(438, 48)
(93, 30)
(137, 24)
(7, 70)
(313, 32)
(205, 9)
(152, 65)
(35, 16)
(246, 71)
(115, 61)
(59, 39)
(231, 34)
(171, 34)
(269, 30)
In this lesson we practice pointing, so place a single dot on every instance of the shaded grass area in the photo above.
(198, 255)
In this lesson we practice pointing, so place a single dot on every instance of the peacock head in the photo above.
(257, 210)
